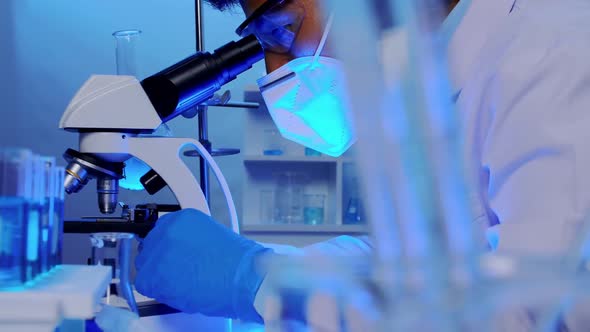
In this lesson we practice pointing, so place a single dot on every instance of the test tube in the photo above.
(48, 215)
(126, 42)
(125, 46)
(15, 193)
(56, 233)
(35, 220)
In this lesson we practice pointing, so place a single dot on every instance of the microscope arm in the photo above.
(163, 155)
(123, 106)
(158, 152)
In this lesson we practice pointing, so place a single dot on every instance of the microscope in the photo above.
(115, 118)
(110, 114)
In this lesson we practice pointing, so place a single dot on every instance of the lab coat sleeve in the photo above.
(342, 246)
(536, 148)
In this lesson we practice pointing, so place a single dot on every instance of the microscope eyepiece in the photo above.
(196, 78)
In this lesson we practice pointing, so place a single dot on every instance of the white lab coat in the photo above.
(521, 69)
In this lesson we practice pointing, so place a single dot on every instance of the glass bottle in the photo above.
(352, 215)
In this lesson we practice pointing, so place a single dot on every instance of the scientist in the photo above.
(521, 76)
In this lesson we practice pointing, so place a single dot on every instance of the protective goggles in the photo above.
(275, 23)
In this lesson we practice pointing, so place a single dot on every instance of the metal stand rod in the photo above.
(203, 139)
(199, 25)
(202, 111)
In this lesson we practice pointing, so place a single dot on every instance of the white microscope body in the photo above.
(109, 112)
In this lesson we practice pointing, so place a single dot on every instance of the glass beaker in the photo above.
(268, 208)
(313, 209)
(114, 250)
(16, 176)
(289, 197)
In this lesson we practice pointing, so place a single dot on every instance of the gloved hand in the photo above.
(194, 264)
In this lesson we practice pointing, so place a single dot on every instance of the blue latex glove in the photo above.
(194, 264)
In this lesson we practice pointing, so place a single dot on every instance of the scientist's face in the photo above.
(308, 35)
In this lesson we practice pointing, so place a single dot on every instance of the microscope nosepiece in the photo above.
(108, 192)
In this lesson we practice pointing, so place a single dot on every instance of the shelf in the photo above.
(67, 292)
(306, 229)
(323, 175)
(289, 159)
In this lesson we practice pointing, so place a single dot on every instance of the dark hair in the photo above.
(223, 4)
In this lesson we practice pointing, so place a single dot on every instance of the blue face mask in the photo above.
(308, 101)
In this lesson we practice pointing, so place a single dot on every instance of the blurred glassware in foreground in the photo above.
(31, 216)
(16, 177)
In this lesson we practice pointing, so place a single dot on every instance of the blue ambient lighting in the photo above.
(134, 170)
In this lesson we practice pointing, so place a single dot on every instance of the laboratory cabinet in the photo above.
(283, 178)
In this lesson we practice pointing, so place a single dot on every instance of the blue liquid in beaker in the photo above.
(12, 229)
(47, 220)
(313, 215)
